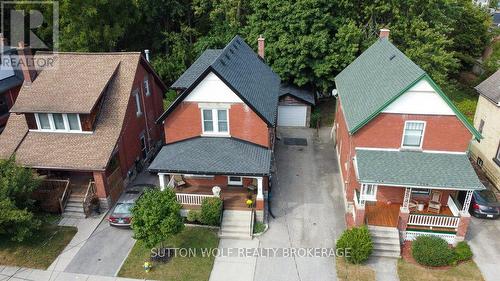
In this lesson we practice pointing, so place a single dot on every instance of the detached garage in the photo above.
(294, 108)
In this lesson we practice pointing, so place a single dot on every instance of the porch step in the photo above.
(74, 204)
(236, 225)
(385, 241)
(71, 214)
(74, 207)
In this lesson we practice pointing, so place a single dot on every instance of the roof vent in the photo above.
(235, 46)
(223, 62)
(227, 56)
(238, 41)
(392, 57)
(231, 50)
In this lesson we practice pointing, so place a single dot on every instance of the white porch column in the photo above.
(406, 200)
(260, 187)
(161, 176)
(468, 198)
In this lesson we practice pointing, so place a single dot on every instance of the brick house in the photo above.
(84, 123)
(401, 147)
(486, 153)
(11, 79)
(220, 131)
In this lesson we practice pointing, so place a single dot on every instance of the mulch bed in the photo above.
(406, 255)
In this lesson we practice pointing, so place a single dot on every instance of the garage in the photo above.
(294, 107)
(292, 115)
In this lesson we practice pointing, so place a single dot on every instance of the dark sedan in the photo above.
(121, 215)
(485, 204)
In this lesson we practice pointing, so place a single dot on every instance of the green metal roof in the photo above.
(378, 77)
(416, 169)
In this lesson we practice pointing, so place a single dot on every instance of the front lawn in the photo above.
(467, 271)
(39, 251)
(359, 272)
(178, 268)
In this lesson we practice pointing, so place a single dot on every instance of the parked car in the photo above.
(485, 204)
(121, 215)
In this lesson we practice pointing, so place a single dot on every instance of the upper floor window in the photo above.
(138, 107)
(413, 134)
(147, 91)
(215, 121)
(58, 122)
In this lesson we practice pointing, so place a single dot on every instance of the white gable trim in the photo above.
(212, 90)
(420, 99)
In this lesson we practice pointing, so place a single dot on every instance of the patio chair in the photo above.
(179, 181)
(413, 205)
(435, 202)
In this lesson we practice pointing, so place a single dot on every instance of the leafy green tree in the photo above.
(16, 185)
(156, 217)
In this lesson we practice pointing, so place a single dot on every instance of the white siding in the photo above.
(420, 99)
(213, 90)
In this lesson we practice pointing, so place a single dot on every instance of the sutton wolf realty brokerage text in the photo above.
(250, 252)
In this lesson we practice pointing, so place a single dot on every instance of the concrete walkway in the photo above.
(234, 267)
(386, 269)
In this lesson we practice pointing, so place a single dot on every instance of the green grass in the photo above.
(259, 227)
(467, 271)
(359, 272)
(40, 250)
(178, 268)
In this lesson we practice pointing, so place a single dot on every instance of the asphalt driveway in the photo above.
(104, 251)
(307, 202)
(483, 239)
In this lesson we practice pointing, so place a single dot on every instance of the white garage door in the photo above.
(292, 115)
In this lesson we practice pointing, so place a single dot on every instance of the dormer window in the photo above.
(58, 122)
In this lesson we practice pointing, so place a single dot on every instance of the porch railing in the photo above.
(433, 220)
(191, 199)
(412, 235)
(87, 200)
(66, 193)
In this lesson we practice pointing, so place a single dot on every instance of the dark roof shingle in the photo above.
(490, 88)
(206, 155)
(302, 94)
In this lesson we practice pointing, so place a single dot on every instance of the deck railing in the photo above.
(191, 199)
(412, 235)
(66, 193)
(433, 220)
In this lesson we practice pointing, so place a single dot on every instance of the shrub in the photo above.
(259, 227)
(211, 210)
(462, 252)
(431, 251)
(315, 117)
(193, 216)
(356, 243)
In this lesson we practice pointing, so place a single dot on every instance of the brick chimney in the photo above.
(384, 33)
(26, 62)
(261, 43)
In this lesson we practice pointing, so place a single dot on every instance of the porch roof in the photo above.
(213, 156)
(416, 169)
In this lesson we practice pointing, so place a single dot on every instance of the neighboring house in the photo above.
(486, 152)
(84, 124)
(401, 147)
(294, 108)
(220, 131)
(11, 79)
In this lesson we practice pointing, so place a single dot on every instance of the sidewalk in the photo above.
(13, 273)
(234, 268)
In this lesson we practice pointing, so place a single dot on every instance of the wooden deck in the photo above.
(234, 197)
(382, 214)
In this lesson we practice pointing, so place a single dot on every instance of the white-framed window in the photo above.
(138, 108)
(215, 121)
(147, 91)
(232, 180)
(413, 134)
(420, 191)
(58, 122)
(369, 192)
(193, 176)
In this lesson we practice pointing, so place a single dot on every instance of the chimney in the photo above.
(146, 52)
(384, 33)
(26, 62)
(261, 42)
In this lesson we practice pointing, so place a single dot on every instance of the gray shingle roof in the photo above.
(303, 94)
(244, 72)
(490, 88)
(206, 155)
(196, 69)
(376, 77)
(422, 169)
(14, 80)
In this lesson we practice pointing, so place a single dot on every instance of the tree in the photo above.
(17, 222)
(156, 217)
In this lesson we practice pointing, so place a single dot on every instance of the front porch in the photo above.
(234, 197)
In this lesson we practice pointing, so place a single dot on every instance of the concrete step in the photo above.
(230, 235)
(387, 254)
(235, 223)
(74, 204)
(240, 229)
(386, 247)
(74, 209)
(385, 240)
(71, 214)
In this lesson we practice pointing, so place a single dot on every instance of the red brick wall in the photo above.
(397, 194)
(289, 100)
(152, 107)
(185, 122)
(441, 132)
